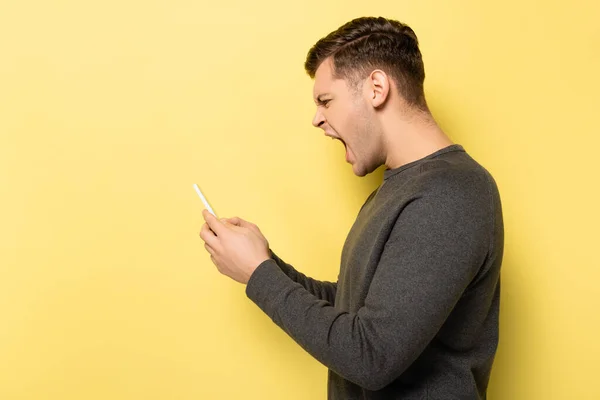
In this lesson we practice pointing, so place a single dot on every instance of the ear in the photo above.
(378, 86)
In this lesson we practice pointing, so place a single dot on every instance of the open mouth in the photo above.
(344, 143)
(337, 138)
(346, 149)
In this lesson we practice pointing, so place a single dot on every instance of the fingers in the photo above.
(213, 222)
(208, 236)
(210, 250)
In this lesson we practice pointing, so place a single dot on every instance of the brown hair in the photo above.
(368, 43)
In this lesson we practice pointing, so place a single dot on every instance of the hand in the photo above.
(246, 224)
(236, 247)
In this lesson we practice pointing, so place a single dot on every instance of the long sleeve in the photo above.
(323, 290)
(435, 249)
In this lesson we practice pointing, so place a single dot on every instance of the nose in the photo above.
(318, 119)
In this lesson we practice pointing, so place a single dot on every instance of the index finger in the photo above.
(213, 222)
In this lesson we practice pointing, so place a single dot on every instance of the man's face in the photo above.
(345, 115)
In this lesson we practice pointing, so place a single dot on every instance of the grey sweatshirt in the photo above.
(414, 311)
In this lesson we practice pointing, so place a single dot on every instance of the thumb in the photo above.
(228, 223)
(236, 221)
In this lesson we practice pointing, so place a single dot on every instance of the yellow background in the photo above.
(110, 110)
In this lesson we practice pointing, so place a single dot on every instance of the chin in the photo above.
(358, 171)
(362, 170)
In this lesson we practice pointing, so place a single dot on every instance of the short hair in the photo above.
(367, 43)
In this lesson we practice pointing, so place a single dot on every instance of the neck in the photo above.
(410, 137)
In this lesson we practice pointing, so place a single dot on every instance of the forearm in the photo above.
(343, 342)
(323, 290)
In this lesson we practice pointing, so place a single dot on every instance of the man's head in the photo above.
(366, 68)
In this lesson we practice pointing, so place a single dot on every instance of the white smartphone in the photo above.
(208, 207)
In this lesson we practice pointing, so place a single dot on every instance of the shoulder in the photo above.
(456, 187)
(459, 176)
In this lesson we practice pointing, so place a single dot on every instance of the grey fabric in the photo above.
(414, 313)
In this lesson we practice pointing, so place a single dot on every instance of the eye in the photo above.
(325, 103)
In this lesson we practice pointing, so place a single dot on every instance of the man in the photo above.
(414, 312)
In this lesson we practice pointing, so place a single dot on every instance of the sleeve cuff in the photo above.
(266, 284)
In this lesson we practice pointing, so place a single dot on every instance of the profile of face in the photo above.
(350, 116)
